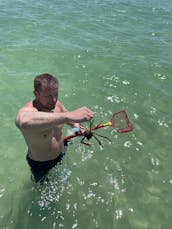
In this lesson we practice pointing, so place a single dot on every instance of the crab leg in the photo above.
(85, 143)
(102, 136)
(98, 140)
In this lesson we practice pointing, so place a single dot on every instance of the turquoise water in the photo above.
(108, 55)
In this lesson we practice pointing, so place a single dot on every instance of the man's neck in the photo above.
(39, 106)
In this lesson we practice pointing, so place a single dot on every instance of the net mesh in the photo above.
(121, 122)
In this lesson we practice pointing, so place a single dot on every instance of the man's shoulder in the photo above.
(29, 106)
(58, 107)
(59, 104)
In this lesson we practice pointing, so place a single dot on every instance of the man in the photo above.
(41, 122)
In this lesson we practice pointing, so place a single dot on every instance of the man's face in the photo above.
(47, 97)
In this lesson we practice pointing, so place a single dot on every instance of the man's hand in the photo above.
(81, 115)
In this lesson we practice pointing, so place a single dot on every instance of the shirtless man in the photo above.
(41, 122)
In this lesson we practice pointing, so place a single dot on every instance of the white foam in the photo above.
(128, 144)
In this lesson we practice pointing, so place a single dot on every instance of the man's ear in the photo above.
(36, 93)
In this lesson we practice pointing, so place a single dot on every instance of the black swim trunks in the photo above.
(40, 169)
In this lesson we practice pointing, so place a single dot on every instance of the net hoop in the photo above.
(128, 127)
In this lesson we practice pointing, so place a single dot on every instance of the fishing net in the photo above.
(121, 122)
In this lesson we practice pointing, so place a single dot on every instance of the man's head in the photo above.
(46, 91)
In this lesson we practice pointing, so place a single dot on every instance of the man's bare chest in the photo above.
(49, 134)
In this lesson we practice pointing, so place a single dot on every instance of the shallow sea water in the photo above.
(108, 55)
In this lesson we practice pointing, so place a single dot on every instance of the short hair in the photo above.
(45, 80)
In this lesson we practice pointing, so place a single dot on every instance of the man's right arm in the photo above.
(30, 118)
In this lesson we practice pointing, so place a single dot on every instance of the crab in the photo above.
(89, 133)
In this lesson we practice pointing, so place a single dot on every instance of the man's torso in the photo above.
(46, 144)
